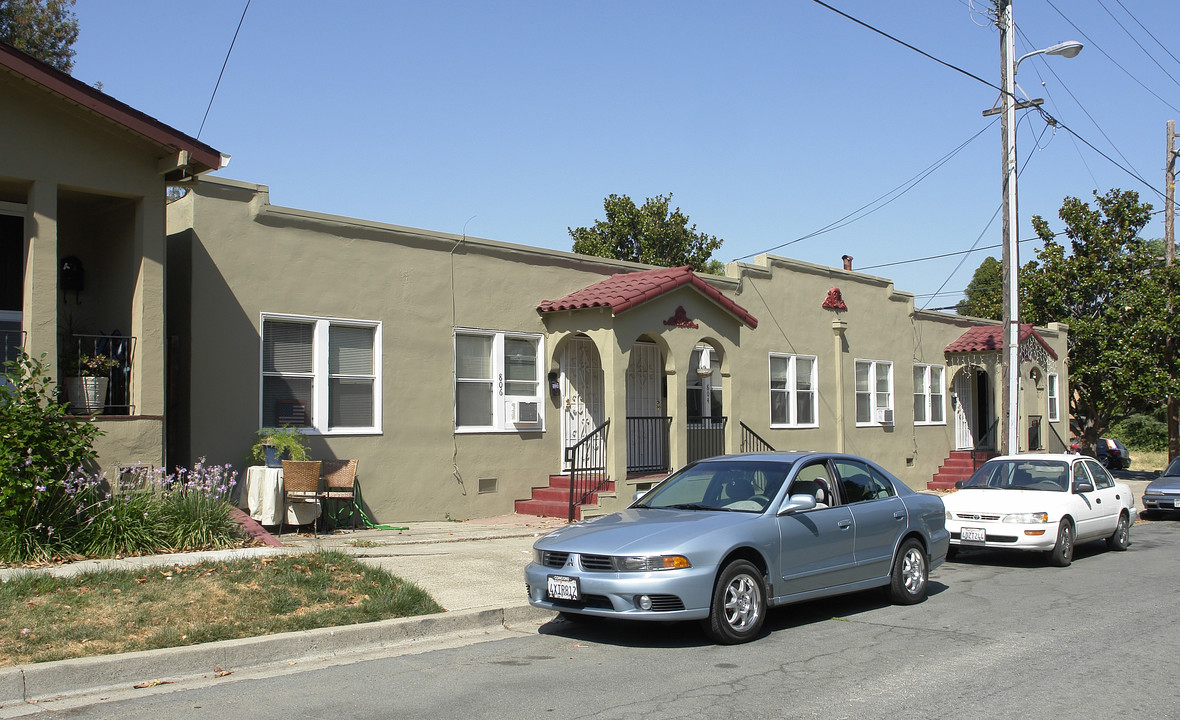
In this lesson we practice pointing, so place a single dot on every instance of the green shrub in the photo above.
(1142, 432)
(40, 443)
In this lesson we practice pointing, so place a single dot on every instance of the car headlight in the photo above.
(950, 515)
(1027, 518)
(647, 563)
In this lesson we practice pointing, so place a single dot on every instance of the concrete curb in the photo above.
(44, 681)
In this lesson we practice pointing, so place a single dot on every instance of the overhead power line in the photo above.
(223, 65)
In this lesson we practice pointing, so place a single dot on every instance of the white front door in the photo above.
(646, 436)
(964, 409)
(583, 405)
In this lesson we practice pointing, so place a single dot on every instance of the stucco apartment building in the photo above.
(460, 372)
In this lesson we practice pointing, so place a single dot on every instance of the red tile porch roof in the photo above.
(623, 291)
(985, 338)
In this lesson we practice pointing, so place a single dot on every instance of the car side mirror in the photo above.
(636, 496)
(959, 484)
(797, 503)
(1083, 487)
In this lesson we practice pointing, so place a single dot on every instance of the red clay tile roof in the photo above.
(983, 338)
(623, 291)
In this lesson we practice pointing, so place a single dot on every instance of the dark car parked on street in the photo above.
(1113, 454)
(1163, 493)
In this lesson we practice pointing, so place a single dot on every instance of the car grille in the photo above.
(977, 516)
(588, 601)
(666, 603)
(553, 559)
(598, 563)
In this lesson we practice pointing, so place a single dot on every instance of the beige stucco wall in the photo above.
(93, 190)
(238, 257)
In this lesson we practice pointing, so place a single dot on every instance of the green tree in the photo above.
(984, 296)
(1113, 292)
(651, 234)
(45, 29)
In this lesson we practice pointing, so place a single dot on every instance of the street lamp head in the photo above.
(1069, 48)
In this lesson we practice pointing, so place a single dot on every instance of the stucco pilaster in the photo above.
(838, 328)
(40, 291)
(147, 309)
(614, 370)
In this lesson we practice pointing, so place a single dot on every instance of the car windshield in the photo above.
(727, 485)
(1174, 468)
(1047, 475)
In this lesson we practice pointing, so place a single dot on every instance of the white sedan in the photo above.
(1045, 503)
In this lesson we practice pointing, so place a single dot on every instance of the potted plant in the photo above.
(87, 388)
(273, 445)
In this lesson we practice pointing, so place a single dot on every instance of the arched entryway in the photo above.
(582, 393)
(647, 416)
(706, 406)
(974, 419)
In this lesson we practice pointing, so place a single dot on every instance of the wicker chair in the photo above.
(340, 484)
(301, 484)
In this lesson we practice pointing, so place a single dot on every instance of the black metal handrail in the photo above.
(706, 437)
(647, 444)
(587, 466)
(1064, 446)
(986, 446)
(751, 442)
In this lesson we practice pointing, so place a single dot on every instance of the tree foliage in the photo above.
(984, 296)
(651, 234)
(1113, 291)
(45, 29)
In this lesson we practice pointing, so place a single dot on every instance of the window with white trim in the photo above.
(321, 374)
(793, 391)
(498, 384)
(874, 392)
(1054, 398)
(929, 395)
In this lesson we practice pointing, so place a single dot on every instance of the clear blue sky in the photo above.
(767, 121)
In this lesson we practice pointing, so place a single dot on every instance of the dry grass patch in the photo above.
(44, 618)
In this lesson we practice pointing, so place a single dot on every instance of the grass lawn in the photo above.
(1148, 461)
(44, 618)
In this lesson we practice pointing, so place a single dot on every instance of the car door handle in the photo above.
(899, 515)
(844, 524)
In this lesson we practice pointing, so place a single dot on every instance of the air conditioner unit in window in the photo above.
(523, 412)
(885, 416)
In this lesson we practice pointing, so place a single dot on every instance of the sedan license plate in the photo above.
(973, 535)
(562, 587)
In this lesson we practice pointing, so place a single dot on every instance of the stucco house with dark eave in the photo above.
(83, 180)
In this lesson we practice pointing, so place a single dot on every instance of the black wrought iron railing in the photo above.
(101, 357)
(1056, 444)
(587, 466)
(752, 442)
(985, 446)
(647, 444)
(706, 437)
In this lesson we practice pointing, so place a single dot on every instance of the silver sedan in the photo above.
(726, 538)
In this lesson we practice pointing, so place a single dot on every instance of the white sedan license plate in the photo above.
(973, 535)
(561, 587)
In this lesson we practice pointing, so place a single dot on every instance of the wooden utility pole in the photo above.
(1170, 256)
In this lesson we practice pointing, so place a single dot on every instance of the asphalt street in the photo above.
(1001, 636)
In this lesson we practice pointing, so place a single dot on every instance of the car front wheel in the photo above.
(1062, 553)
(1121, 538)
(739, 604)
(910, 577)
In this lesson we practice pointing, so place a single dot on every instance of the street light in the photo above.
(1010, 404)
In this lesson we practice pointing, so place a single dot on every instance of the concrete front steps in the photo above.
(959, 466)
(553, 500)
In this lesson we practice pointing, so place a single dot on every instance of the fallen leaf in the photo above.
(151, 683)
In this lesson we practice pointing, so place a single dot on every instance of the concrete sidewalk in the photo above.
(474, 569)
